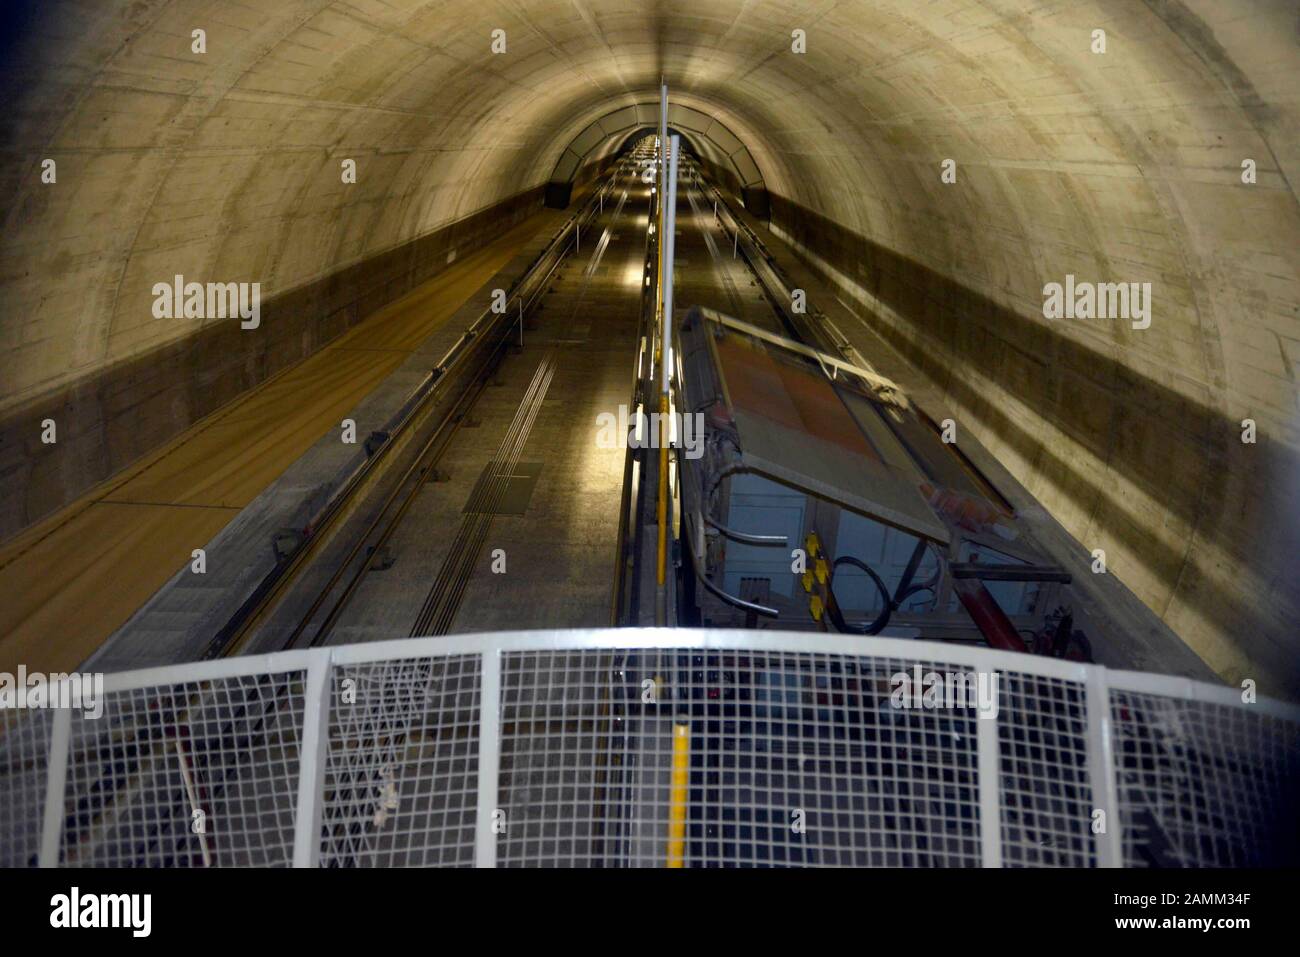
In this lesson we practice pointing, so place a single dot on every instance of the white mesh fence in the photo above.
(402, 766)
(795, 759)
(1045, 788)
(1203, 784)
(192, 774)
(645, 748)
(24, 747)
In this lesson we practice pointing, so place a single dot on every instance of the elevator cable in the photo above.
(888, 604)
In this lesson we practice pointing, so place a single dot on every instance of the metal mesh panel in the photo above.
(794, 759)
(712, 753)
(402, 768)
(1046, 794)
(24, 750)
(1204, 785)
(226, 748)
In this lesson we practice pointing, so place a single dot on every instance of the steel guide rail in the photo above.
(634, 459)
(408, 487)
(522, 295)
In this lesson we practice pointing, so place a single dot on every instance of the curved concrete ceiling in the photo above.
(1115, 166)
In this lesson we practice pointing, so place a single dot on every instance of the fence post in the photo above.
(55, 782)
(990, 793)
(1101, 768)
(312, 757)
(489, 758)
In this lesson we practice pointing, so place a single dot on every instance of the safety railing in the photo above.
(646, 747)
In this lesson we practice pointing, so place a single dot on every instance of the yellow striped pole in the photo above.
(677, 798)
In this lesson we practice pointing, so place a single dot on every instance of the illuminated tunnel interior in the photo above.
(1066, 230)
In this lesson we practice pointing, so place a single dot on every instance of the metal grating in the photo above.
(24, 746)
(794, 759)
(1203, 784)
(1046, 793)
(195, 774)
(402, 767)
(616, 748)
(562, 755)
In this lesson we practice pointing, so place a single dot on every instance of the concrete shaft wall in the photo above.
(1122, 166)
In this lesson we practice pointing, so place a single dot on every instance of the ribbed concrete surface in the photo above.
(1123, 166)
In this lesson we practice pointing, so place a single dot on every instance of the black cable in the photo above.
(913, 590)
(833, 606)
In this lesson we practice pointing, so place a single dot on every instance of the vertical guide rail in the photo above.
(56, 780)
(662, 185)
(989, 776)
(489, 758)
(669, 236)
(661, 593)
(1101, 767)
(668, 193)
(311, 760)
(634, 477)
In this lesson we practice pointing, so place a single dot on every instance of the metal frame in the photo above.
(1094, 682)
(874, 379)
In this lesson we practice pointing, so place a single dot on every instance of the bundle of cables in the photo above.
(888, 604)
